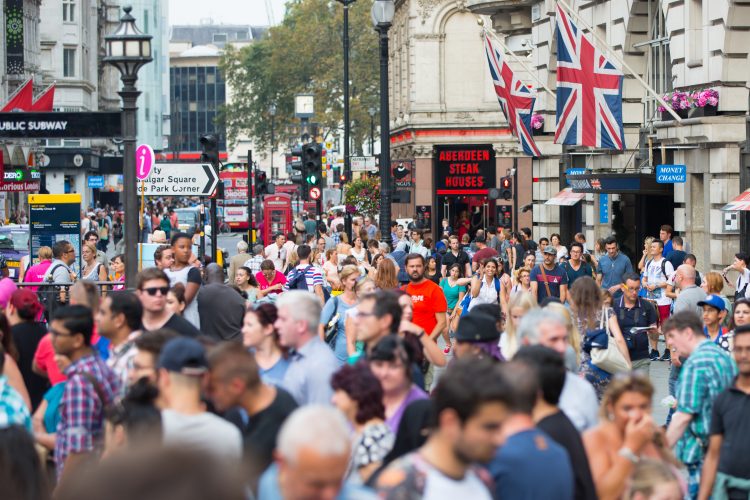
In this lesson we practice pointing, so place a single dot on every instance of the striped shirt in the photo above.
(707, 372)
(313, 276)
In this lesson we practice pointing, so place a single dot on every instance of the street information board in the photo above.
(54, 217)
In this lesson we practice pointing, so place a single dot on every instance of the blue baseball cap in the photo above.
(713, 301)
(185, 356)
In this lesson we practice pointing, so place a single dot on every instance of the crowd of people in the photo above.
(327, 367)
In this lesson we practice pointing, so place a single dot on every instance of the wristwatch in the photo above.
(626, 452)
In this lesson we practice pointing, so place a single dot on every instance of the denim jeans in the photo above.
(672, 392)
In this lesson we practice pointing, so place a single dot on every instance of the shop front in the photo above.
(463, 175)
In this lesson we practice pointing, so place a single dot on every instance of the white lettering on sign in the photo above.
(33, 125)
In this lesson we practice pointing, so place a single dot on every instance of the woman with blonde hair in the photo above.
(386, 276)
(92, 269)
(331, 269)
(626, 434)
(643, 263)
(654, 480)
(573, 354)
(590, 313)
(518, 306)
(334, 312)
(713, 284)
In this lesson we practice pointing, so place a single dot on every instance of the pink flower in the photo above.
(537, 121)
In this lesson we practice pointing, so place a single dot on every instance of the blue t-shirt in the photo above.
(275, 374)
(555, 278)
(523, 460)
(451, 292)
(612, 270)
(326, 316)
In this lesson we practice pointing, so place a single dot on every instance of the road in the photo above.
(659, 371)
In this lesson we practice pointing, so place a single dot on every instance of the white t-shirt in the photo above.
(277, 255)
(655, 276)
(438, 486)
(204, 431)
(742, 281)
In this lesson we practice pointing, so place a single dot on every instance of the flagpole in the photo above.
(616, 56)
(531, 72)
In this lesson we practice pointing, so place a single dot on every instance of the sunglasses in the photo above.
(153, 290)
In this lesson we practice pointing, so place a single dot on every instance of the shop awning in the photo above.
(742, 202)
(566, 198)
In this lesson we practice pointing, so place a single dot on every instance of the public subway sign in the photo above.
(60, 125)
(671, 174)
(464, 169)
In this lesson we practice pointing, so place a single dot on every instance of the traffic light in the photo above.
(506, 187)
(298, 171)
(505, 216)
(312, 164)
(210, 146)
(261, 183)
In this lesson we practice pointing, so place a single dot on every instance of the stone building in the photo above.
(440, 83)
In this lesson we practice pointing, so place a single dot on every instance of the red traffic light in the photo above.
(505, 183)
(342, 177)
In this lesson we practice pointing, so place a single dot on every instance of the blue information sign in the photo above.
(573, 171)
(96, 181)
(604, 208)
(671, 174)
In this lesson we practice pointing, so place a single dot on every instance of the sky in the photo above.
(252, 12)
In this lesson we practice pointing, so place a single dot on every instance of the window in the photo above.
(69, 11)
(659, 60)
(69, 62)
(220, 38)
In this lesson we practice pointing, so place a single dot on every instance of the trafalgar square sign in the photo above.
(179, 179)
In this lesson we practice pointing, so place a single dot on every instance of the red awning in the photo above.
(566, 198)
(742, 202)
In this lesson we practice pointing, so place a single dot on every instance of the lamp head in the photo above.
(382, 13)
(128, 48)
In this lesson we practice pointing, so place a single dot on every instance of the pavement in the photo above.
(658, 371)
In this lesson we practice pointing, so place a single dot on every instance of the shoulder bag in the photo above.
(608, 358)
(544, 277)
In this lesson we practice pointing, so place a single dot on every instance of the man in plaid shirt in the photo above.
(708, 371)
(254, 262)
(91, 387)
(13, 409)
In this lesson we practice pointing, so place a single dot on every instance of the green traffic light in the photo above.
(312, 180)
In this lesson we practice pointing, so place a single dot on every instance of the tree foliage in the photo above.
(303, 54)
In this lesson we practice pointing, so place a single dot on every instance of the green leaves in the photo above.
(303, 54)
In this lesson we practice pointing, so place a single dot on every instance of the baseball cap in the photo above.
(550, 250)
(713, 301)
(185, 356)
(477, 327)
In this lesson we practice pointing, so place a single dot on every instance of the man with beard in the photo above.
(427, 298)
(471, 402)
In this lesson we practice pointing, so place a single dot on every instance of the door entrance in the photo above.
(465, 214)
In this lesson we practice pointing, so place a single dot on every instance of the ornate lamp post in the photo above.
(128, 49)
(382, 18)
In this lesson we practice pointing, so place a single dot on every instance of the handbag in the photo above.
(609, 358)
(332, 327)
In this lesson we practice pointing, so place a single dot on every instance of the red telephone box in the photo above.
(277, 215)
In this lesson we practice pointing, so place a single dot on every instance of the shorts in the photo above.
(664, 313)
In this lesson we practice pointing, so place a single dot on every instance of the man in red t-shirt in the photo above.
(427, 298)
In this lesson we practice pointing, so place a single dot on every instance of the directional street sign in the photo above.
(180, 179)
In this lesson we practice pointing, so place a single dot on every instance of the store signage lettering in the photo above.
(60, 124)
(465, 168)
(671, 174)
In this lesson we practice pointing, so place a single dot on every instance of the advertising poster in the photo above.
(55, 217)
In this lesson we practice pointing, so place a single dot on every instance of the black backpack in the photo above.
(297, 280)
(49, 296)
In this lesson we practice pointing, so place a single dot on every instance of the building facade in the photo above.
(439, 79)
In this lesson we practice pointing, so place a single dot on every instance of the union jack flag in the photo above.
(589, 91)
(516, 99)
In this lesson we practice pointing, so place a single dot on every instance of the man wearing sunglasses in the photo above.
(152, 286)
(632, 312)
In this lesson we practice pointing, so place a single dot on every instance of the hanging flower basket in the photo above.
(537, 124)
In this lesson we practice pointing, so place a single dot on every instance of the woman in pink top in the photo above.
(35, 273)
(270, 281)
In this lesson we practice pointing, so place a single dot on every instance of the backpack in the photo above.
(297, 280)
(49, 296)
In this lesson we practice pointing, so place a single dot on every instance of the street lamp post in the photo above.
(128, 49)
(347, 123)
(382, 18)
(371, 112)
(272, 112)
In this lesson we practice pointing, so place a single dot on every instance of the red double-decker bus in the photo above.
(234, 205)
